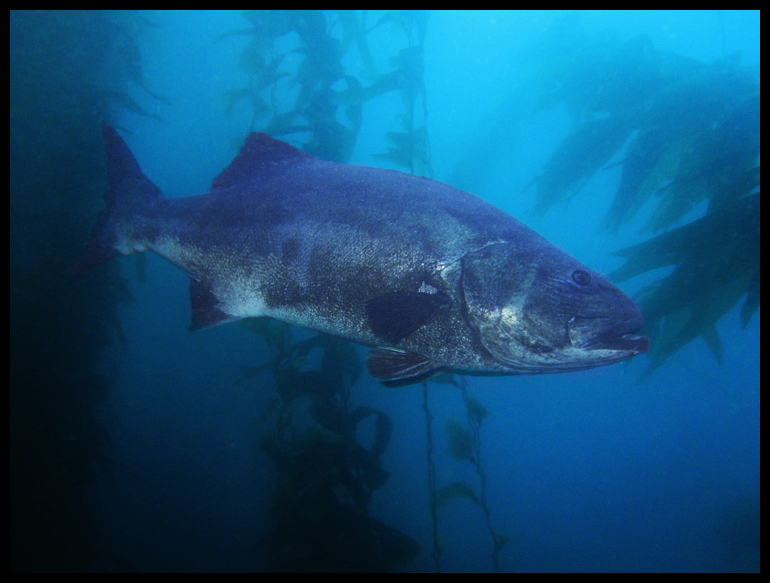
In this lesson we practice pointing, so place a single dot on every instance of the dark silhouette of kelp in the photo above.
(716, 261)
(459, 439)
(325, 477)
(68, 71)
(690, 127)
(306, 95)
(688, 135)
(566, 172)
(464, 445)
(695, 139)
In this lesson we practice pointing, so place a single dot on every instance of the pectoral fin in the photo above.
(395, 315)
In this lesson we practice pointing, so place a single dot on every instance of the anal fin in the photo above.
(205, 307)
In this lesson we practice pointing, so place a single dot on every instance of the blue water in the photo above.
(589, 471)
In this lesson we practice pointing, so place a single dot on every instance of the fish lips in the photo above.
(608, 334)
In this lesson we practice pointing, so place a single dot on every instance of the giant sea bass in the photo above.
(432, 278)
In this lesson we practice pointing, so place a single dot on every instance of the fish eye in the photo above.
(581, 277)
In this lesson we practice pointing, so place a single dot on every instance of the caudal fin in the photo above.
(129, 192)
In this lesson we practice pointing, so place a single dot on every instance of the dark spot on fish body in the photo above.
(144, 229)
(290, 250)
(304, 288)
(284, 294)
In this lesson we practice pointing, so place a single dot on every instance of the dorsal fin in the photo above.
(126, 182)
(258, 153)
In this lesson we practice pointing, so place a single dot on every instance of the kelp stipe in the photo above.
(326, 478)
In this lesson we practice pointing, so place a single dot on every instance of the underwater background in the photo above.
(628, 138)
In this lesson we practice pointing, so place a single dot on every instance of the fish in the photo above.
(432, 278)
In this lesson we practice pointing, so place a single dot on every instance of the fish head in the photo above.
(535, 309)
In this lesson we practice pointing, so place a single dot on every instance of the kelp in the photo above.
(459, 439)
(689, 127)
(326, 478)
(307, 95)
(587, 148)
(716, 264)
(455, 490)
(301, 89)
(68, 71)
(464, 445)
(687, 135)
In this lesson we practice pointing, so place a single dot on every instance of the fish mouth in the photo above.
(626, 343)
(605, 334)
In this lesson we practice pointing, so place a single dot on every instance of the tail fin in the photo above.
(128, 192)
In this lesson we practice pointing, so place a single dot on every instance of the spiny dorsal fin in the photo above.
(257, 155)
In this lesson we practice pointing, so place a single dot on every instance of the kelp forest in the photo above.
(683, 136)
